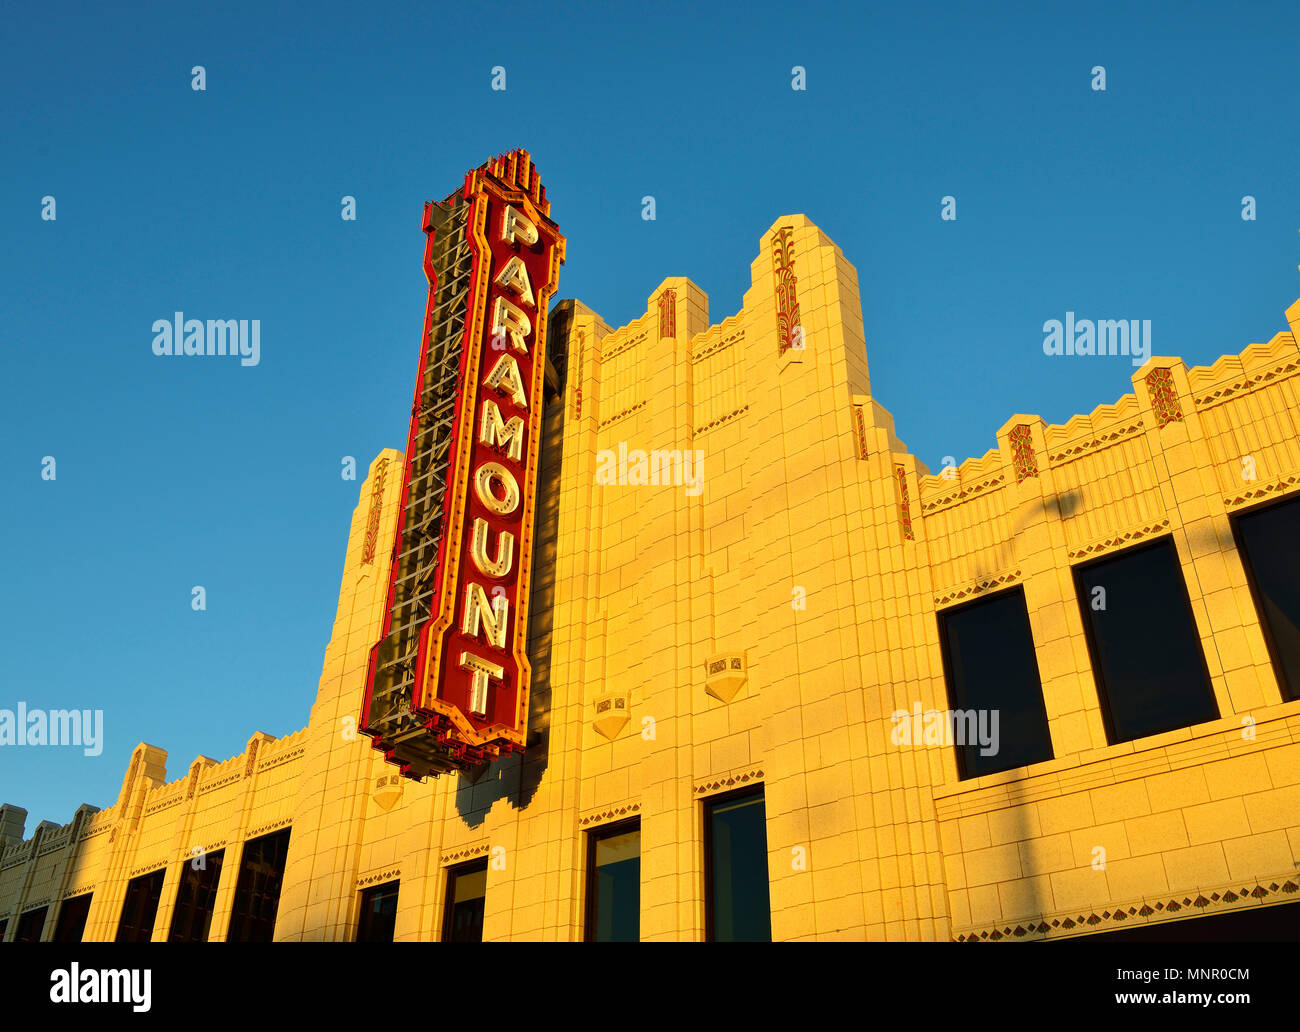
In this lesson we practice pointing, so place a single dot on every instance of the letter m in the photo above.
(1112, 337)
(69, 727)
(498, 434)
(223, 336)
(116, 986)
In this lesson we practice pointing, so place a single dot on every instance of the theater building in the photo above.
(787, 683)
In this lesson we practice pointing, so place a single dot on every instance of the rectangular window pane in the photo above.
(257, 893)
(998, 720)
(72, 918)
(1269, 542)
(614, 884)
(378, 913)
(1146, 654)
(196, 898)
(739, 907)
(466, 890)
(140, 907)
(30, 925)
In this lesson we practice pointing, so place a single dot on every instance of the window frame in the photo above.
(60, 925)
(161, 875)
(942, 616)
(244, 916)
(448, 904)
(1099, 683)
(594, 836)
(707, 805)
(1289, 692)
(362, 911)
(172, 931)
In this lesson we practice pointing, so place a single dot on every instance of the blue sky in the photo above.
(226, 203)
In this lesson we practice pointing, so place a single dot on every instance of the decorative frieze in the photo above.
(787, 300)
(465, 853)
(609, 814)
(668, 314)
(978, 588)
(904, 504)
(722, 419)
(1121, 539)
(1164, 397)
(726, 782)
(1023, 459)
(376, 509)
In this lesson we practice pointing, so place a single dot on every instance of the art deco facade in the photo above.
(753, 637)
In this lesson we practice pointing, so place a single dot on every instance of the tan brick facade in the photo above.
(762, 629)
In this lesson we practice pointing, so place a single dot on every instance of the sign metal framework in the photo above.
(447, 683)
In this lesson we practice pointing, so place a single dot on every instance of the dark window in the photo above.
(738, 905)
(998, 721)
(72, 918)
(614, 883)
(30, 925)
(140, 908)
(466, 888)
(196, 898)
(4, 927)
(378, 913)
(1146, 654)
(1269, 542)
(257, 893)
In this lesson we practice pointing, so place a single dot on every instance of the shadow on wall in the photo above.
(516, 778)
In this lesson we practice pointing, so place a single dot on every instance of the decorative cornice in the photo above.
(722, 419)
(230, 779)
(607, 815)
(620, 415)
(619, 349)
(90, 833)
(1250, 383)
(1068, 921)
(175, 800)
(285, 757)
(963, 494)
(208, 850)
(1115, 542)
(978, 588)
(149, 868)
(1260, 492)
(1101, 441)
(716, 346)
(754, 775)
(380, 876)
(269, 827)
(465, 853)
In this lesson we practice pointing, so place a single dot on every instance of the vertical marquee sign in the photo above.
(447, 684)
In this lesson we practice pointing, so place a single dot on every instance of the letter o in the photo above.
(487, 473)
